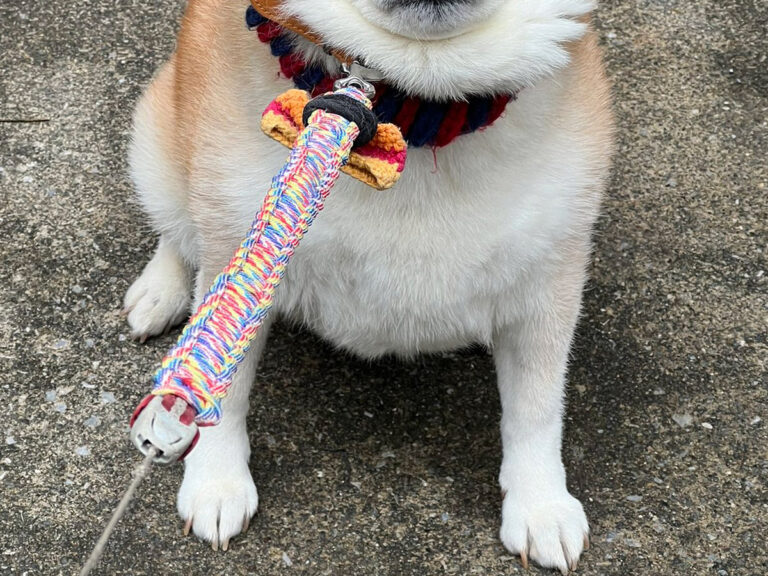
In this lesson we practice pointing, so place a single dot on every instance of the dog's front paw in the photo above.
(217, 502)
(159, 298)
(551, 530)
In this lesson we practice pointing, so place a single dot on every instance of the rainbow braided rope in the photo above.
(199, 369)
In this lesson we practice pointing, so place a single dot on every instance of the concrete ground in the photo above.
(390, 468)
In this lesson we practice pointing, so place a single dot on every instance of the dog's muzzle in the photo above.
(436, 4)
(429, 16)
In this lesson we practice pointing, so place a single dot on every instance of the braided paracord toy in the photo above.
(200, 367)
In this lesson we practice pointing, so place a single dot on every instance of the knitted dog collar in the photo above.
(423, 122)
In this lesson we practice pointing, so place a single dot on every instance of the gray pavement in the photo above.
(390, 468)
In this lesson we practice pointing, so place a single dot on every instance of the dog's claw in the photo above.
(225, 545)
(568, 562)
(246, 523)
(143, 338)
(524, 559)
(586, 542)
(187, 527)
(215, 544)
(125, 311)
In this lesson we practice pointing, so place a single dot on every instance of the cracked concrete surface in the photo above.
(390, 467)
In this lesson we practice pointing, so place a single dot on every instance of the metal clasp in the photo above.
(358, 76)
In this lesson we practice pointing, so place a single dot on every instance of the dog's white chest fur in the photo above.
(429, 264)
(435, 262)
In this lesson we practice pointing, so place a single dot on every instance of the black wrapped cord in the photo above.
(348, 108)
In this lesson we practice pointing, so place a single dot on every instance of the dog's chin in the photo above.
(425, 21)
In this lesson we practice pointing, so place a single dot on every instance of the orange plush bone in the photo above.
(378, 163)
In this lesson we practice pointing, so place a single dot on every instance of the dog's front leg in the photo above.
(540, 519)
(218, 496)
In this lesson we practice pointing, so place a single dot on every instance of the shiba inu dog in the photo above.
(485, 238)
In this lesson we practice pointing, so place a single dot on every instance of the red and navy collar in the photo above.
(423, 122)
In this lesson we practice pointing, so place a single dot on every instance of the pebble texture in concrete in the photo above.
(390, 468)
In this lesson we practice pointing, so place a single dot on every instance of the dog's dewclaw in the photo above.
(524, 559)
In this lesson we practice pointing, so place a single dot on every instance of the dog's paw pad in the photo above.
(551, 532)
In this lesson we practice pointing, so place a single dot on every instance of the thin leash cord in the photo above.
(141, 472)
